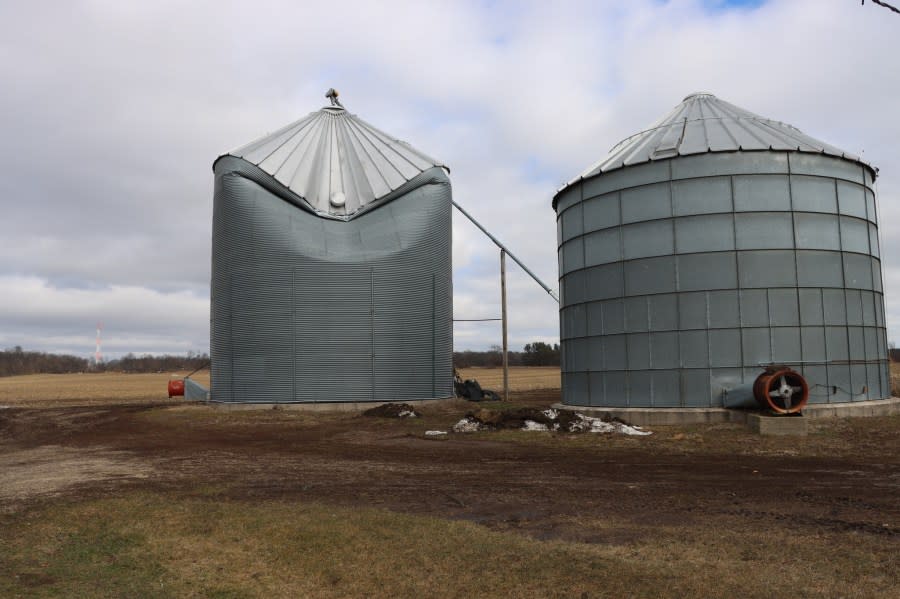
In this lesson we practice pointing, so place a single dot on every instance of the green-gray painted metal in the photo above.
(310, 308)
(194, 391)
(679, 277)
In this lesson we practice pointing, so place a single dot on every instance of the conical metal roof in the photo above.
(703, 123)
(335, 161)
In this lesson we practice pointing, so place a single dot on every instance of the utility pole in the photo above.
(503, 253)
(511, 255)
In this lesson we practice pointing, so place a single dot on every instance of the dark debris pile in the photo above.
(393, 410)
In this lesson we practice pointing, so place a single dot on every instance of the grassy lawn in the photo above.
(148, 546)
(153, 545)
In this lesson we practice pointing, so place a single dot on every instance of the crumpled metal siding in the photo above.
(703, 123)
(308, 309)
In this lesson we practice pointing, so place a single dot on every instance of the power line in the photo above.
(884, 4)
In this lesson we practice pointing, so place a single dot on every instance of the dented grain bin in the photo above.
(331, 267)
(711, 245)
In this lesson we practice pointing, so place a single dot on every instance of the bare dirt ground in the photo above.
(841, 483)
(839, 480)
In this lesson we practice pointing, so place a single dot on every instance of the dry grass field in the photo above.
(521, 378)
(89, 388)
(895, 379)
(55, 390)
(109, 489)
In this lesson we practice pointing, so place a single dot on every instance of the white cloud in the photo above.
(117, 111)
(135, 319)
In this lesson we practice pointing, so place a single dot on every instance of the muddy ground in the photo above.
(844, 478)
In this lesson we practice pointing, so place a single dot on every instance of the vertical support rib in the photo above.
(433, 340)
(503, 314)
(372, 329)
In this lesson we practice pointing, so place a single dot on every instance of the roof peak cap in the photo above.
(332, 94)
(698, 95)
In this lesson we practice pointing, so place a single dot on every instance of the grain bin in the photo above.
(710, 245)
(331, 267)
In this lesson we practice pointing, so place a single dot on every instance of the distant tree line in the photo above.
(533, 354)
(149, 363)
(17, 361)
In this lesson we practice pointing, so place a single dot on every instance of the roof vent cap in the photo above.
(332, 94)
(338, 199)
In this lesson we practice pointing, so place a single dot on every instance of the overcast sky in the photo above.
(112, 113)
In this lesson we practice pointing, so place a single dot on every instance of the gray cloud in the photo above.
(113, 113)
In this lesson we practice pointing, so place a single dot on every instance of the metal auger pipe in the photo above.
(508, 253)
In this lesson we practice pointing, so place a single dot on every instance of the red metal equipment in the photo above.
(176, 387)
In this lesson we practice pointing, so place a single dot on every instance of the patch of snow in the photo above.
(407, 414)
(467, 425)
(596, 425)
(632, 430)
(435, 433)
(580, 424)
(531, 425)
(5, 407)
(591, 425)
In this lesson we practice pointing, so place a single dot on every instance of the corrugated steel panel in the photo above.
(332, 333)
(681, 278)
(703, 123)
(307, 309)
(336, 162)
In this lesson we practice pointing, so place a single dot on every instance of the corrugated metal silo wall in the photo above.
(680, 277)
(306, 309)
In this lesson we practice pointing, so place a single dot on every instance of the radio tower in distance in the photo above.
(98, 357)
